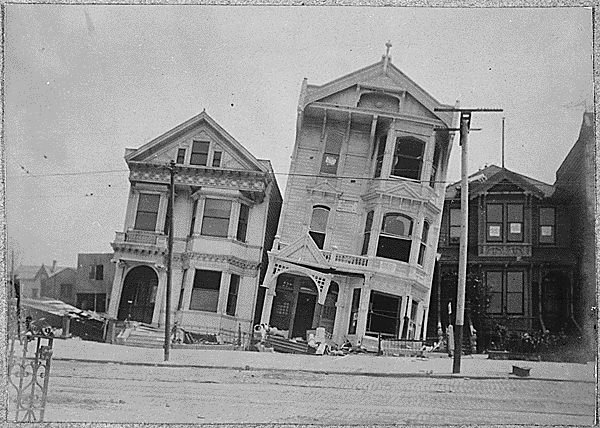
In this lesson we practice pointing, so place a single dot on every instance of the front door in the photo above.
(305, 311)
(138, 295)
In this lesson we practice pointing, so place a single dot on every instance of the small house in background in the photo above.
(33, 278)
(60, 285)
(95, 274)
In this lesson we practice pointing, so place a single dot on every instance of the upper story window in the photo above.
(199, 153)
(380, 155)
(216, 217)
(147, 212)
(367, 234)
(547, 225)
(331, 157)
(395, 238)
(455, 215)
(318, 225)
(180, 156)
(193, 222)
(97, 272)
(435, 164)
(243, 223)
(408, 158)
(504, 223)
(216, 162)
(423, 248)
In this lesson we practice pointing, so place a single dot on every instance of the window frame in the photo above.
(380, 155)
(505, 293)
(317, 233)
(136, 224)
(196, 144)
(552, 239)
(333, 148)
(205, 228)
(181, 152)
(423, 246)
(510, 237)
(396, 172)
(242, 232)
(488, 223)
(201, 292)
(218, 158)
(367, 232)
(407, 238)
(232, 297)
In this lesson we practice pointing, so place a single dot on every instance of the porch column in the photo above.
(187, 288)
(340, 311)
(158, 317)
(267, 307)
(404, 317)
(361, 326)
(117, 287)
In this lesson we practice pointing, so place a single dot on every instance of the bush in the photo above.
(536, 342)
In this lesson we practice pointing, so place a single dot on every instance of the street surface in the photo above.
(107, 392)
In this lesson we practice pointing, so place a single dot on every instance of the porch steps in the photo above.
(146, 337)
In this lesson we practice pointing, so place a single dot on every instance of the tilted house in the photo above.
(225, 214)
(519, 253)
(357, 239)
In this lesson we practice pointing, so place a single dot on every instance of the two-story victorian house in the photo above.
(519, 250)
(357, 241)
(226, 209)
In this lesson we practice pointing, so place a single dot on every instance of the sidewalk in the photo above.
(437, 365)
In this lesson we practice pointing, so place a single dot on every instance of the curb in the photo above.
(324, 372)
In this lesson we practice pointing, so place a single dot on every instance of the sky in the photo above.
(82, 83)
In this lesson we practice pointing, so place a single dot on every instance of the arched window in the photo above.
(318, 224)
(423, 248)
(408, 158)
(396, 237)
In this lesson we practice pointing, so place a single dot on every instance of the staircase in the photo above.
(143, 336)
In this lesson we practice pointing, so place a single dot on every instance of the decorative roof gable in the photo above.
(381, 76)
(305, 251)
(201, 127)
(324, 188)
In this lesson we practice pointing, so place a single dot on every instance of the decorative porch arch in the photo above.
(321, 280)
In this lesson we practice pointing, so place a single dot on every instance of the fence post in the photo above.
(379, 351)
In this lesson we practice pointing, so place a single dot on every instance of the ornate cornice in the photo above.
(220, 258)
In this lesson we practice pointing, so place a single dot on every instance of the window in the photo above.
(205, 293)
(180, 156)
(181, 292)
(494, 283)
(331, 156)
(547, 225)
(97, 272)
(380, 155)
(216, 217)
(408, 158)
(318, 225)
(494, 216)
(455, 216)
(91, 302)
(506, 292)
(34, 293)
(282, 308)
(234, 285)
(216, 159)
(367, 234)
(66, 291)
(193, 223)
(435, 164)
(514, 214)
(147, 212)
(395, 237)
(423, 248)
(384, 315)
(243, 223)
(199, 153)
(354, 311)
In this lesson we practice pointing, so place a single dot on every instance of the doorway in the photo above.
(138, 295)
(305, 312)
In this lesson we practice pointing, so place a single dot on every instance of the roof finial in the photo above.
(387, 57)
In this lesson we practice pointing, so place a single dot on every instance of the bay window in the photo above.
(395, 239)
(408, 158)
(205, 292)
(216, 218)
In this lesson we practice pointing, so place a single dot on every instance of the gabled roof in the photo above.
(58, 270)
(27, 272)
(171, 137)
(484, 179)
(304, 250)
(382, 76)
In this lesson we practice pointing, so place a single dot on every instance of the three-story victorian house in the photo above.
(519, 255)
(357, 240)
(226, 210)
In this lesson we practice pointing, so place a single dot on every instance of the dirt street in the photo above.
(90, 392)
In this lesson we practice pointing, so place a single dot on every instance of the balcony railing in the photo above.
(141, 237)
(336, 258)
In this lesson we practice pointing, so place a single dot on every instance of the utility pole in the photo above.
(171, 168)
(465, 123)
(503, 143)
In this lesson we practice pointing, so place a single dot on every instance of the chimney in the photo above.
(53, 265)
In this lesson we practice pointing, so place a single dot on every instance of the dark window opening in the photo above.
(423, 247)
(435, 165)
(455, 216)
(408, 158)
(199, 153)
(380, 155)
(180, 156)
(494, 220)
(395, 237)
(216, 159)
(547, 225)
(384, 315)
(331, 157)
(205, 293)
(193, 222)
(514, 219)
(354, 311)
(318, 225)
(243, 223)
(147, 212)
(367, 233)
(232, 296)
(182, 291)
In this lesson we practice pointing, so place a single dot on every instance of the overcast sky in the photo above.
(82, 83)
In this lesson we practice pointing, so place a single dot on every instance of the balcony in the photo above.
(345, 260)
(140, 241)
